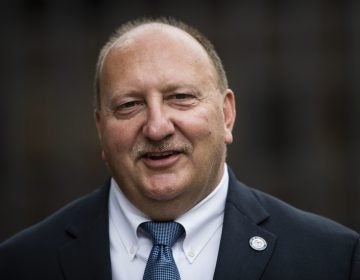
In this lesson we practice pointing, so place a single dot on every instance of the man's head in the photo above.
(164, 117)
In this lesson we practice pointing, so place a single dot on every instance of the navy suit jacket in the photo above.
(73, 243)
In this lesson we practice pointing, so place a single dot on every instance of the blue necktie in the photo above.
(161, 264)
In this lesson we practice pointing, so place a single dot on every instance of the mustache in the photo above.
(141, 149)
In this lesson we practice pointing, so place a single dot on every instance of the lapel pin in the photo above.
(258, 243)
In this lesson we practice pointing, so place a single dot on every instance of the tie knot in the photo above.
(163, 233)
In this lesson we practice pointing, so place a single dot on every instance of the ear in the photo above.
(229, 112)
(98, 119)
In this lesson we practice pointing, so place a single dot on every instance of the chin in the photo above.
(166, 193)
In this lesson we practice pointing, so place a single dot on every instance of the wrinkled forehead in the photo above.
(162, 38)
(157, 52)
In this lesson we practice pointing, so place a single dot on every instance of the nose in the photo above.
(158, 125)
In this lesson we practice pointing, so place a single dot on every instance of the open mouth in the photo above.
(160, 155)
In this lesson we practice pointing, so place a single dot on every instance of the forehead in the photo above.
(153, 35)
(157, 43)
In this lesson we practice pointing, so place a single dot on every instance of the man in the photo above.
(164, 116)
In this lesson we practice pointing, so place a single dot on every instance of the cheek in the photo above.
(198, 124)
(118, 137)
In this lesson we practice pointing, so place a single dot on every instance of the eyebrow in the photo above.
(165, 89)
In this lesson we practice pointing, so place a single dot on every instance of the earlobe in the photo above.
(229, 111)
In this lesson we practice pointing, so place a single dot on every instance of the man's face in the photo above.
(163, 124)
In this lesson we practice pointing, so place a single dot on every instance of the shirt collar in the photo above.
(200, 223)
(204, 219)
(125, 218)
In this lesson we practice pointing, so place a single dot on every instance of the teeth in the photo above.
(158, 155)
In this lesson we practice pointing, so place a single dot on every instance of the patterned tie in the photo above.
(161, 264)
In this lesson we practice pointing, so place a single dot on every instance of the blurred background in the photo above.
(294, 66)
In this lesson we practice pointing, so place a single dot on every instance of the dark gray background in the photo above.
(294, 66)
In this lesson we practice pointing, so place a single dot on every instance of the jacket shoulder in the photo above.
(284, 215)
(308, 246)
(42, 239)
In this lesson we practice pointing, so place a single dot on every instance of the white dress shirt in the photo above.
(195, 253)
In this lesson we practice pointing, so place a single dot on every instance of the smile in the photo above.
(161, 155)
(160, 160)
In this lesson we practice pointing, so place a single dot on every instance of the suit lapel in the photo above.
(87, 255)
(243, 216)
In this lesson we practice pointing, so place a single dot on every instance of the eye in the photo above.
(180, 96)
(182, 101)
(129, 104)
(128, 108)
